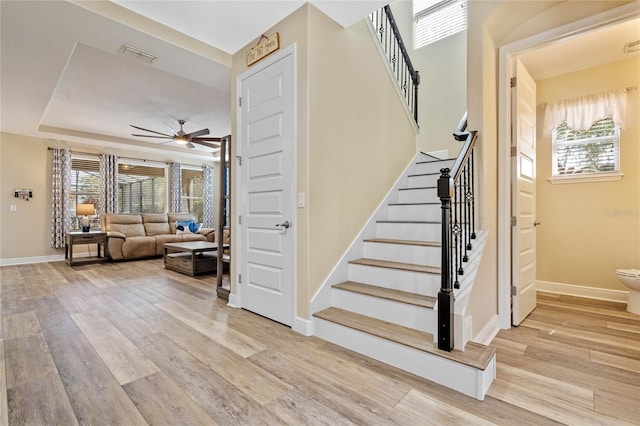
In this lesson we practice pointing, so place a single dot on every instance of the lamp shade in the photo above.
(85, 210)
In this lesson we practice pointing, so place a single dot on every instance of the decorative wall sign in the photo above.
(265, 47)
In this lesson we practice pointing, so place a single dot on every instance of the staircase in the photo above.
(387, 306)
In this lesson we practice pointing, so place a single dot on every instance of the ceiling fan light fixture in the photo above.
(182, 140)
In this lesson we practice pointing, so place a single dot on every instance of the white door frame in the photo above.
(506, 53)
(240, 195)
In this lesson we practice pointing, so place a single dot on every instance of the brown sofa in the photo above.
(134, 236)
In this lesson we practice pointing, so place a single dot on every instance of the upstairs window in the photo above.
(595, 151)
(436, 19)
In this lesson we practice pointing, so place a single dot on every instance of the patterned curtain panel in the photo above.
(175, 188)
(108, 184)
(60, 196)
(207, 196)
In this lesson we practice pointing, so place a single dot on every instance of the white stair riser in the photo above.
(422, 180)
(409, 231)
(460, 377)
(413, 282)
(412, 316)
(427, 195)
(433, 166)
(418, 212)
(419, 255)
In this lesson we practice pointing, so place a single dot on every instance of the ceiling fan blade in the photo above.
(207, 144)
(197, 133)
(190, 145)
(151, 136)
(207, 139)
(152, 131)
(170, 128)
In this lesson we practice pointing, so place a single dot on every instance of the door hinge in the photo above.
(514, 151)
(513, 81)
(514, 221)
(239, 160)
(514, 290)
(239, 219)
(239, 278)
(239, 101)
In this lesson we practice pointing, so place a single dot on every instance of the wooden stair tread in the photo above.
(403, 242)
(388, 293)
(475, 355)
(396, 265)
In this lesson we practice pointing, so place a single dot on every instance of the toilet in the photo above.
(631, 279)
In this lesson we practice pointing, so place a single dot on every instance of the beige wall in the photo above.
(353, 142)
(590, 229)
(25, 162)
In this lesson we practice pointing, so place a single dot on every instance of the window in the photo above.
(142, 188)
(85, 187)
(192, 191)
(436, 19)
(595, 151)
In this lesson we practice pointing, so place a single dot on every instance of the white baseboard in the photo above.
(233, 301)
(34, 259)
(488, 332)
(303, 326)
(583, 291)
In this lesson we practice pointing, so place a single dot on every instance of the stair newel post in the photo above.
(445, 295)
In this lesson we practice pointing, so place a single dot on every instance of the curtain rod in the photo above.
(126, 158)
(628, 89)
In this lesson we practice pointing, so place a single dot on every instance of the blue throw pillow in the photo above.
(187, 227)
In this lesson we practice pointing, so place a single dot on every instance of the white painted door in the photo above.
(523, 194)
(266, 125)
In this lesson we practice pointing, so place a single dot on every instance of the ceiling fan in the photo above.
(181, 137)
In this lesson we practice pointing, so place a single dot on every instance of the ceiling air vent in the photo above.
(632, 47)
(134, 52)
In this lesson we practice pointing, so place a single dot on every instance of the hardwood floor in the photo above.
(132, 343)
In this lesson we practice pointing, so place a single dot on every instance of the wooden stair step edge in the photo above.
(475, 355)
(403, 242)
(388, 294)
(412, 267)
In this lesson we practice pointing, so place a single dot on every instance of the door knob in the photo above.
(285, 225)
(536, 223)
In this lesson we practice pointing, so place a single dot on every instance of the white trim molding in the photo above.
(34, 259)
(595, 177)
(583, 291)
(303, 326)
(488, 332)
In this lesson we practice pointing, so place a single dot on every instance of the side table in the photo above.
(92, 237)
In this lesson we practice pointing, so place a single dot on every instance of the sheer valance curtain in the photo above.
(580, 113)
(207, 196)
(60, 195)
(175, 188)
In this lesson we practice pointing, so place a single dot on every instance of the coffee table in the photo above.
(191, 258)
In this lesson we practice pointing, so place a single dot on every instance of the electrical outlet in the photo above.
(301, 199)
(12, 208)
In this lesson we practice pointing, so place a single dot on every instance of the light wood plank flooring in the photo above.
(131, 343)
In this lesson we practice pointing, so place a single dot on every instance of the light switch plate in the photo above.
(301, 199)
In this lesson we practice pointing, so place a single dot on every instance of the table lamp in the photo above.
(85, 210)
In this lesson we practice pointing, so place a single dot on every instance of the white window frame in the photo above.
(591, 176)
(438, 20)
